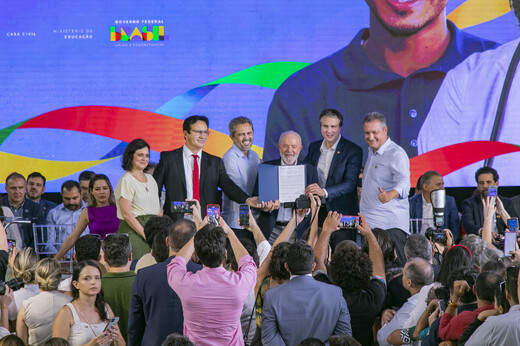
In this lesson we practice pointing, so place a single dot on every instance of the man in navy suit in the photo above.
(273, 222)
(155, 309)
(188, 173)
(338, 161)
(421, 203)
(303, 308)
(22, 207)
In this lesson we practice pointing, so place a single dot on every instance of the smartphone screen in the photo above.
(509, 243)
(492, 191)
(243, 218)
(512, 224)
(442, 305)
(213, 213)
(112, 322)
(11, 243)
(349, 222)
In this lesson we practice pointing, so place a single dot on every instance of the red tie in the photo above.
(195, 178)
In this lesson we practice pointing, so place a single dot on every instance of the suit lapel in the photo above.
(179, 163)
(204, 165)
(336, 157)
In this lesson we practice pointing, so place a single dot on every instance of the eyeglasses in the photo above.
(200, 132)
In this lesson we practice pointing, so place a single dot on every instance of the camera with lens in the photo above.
(15, 285)
(302, 202)
(436, 234)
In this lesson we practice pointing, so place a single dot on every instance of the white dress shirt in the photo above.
(324, 162)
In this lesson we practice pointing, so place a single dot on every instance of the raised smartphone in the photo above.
(213, 213)
(243, 215)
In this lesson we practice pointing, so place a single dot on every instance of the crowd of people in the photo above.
(147, 274)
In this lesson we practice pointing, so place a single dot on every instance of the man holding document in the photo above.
(290, 144)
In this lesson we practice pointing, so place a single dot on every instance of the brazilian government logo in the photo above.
(145, 33)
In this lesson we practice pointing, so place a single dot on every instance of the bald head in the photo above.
(290, 145)
(418, 272)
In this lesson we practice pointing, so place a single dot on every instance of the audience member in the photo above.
(416, 273)
(4, 257)
(154, 226)
(35, 319)
(155, 309)
(85, 318)
(387, 245)
(24, 267)
(503, 329)
(241, 163)
(67, 213)
(421, 206)
(84, 182)
(118, 280)
(386, 183)
(175, 339)
(273, 222)
(452, 325)
(87, 247)
(100, 216)
(56, 342)
(179, 171)
(360, 276)
(290, 314)
(11, 340)
(22, 207)
(472, 208)
(35, 189)
(222, 321)
(311, 342)
(13, 232)
(455, 257)
(338, 161)
(6, 300)
(137, 196)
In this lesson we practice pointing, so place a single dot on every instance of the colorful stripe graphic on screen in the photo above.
(120, 33)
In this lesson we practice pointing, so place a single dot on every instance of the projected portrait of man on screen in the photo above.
(395, 67)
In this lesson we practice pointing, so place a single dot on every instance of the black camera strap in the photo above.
(503, 100)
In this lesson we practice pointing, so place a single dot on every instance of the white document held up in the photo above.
(291, 182)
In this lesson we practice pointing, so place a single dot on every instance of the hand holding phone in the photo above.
(243, 215)
(492, 191)
(509, 243)
(349, 222)
(111, 322)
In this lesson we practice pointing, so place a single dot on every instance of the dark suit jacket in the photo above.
(155, 309)
(31, 211)
(343, 175)
(303, 308)
(451, 215)
(170, 174)
(266, 221)
(473, 214)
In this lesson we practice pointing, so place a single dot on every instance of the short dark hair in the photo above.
(250, 248)
(486, 285)
(117, 249)
(69, 185)
(343, 340)
(186, 125)
(56, 342)
(159, 249)
(300, 258)
(512, 282)
(496, 266)
(86, 175)
(238, 121)
(177, 340)
(417, 245)
(486, 170)
(375, 116)
(350, 269)
(131, 148)
(14, 175)
(468, 274)
(154, 225)
(88, 247)
(277, 262)
(418, 185)
(386, 243)
(427, 177)
(333, 113)
(419, 275)
(180, 233)
(311, 342)
(37, 175)
(210, 245)
(12, 340)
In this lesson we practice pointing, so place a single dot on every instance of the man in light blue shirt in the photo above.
(242, 167)
(67, 213)
(386, 183)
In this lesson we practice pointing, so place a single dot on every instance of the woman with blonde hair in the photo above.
(24, 267)
(36, 316)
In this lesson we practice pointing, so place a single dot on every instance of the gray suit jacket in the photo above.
(303, 308)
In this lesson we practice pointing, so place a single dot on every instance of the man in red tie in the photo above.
(189, 173)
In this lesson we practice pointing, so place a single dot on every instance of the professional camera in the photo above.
(182, 207)
(15, 285)
(498, 241)
(302, 202)
(436, 234)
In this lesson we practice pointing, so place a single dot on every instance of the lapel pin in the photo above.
(338, 151)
